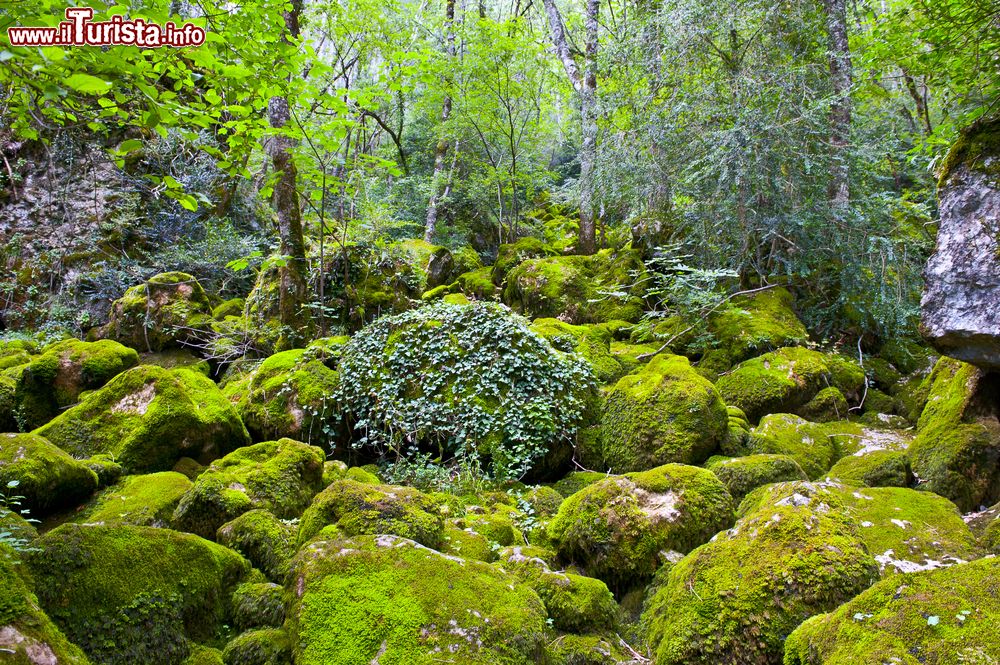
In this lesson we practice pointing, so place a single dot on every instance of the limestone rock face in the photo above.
(958, 309)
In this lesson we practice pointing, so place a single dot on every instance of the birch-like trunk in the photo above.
(841, 79)
(441, 150)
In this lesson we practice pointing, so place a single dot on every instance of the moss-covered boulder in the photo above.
(258, 604)
(664, 412)
(354, 508)
(264, 646)
(619, 529)
(292, 394)
(736, 598)
(815, 446)
(468, 381)
(391, 600)
(579, 289)
(576, 604)
(27, 635)
(935, 617)
(280, 476)
(786, 379)
(956, 452)
(827, 405)
(176, 358)
(168, 310)
(740, 475)
(128, 594)
(754, 324)
(575, 481)
(510, 255)
(149, 417)
(877, 468)
(467, 543)
(203, 655)
(590, 341)
(905, 530)
(146, 500)
(55, 379)
(47, 478)
(266, 541)
(8, 404)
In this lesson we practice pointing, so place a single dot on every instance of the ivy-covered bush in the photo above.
(466, 382)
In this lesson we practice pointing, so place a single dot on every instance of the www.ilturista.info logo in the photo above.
(79, 30)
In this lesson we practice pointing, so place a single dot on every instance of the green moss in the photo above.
(740, 475)
(362, 475)
(734, 599)
(815, 446)
(203, 655)
(575, 603)
(175, 358)
(147, 500)
(391, 600)
(619, 529)
(827, 405)
(149, 417)
(757, 323)
(130, 594)
(665, 412)
(878, 468)
(496, 525)
(55, 379)
(509, 256)
(280, 476)
(593, 343)
(189, 468)
(8, 404)
(542, 501)
(28, 636)
(466, 542)
(355, 508)
(291, 394)
(231, 307)
(164, 312)
(935, 617)
(477, 284)
(266, 646)
(579, 289)
(597, 649)
(956, 453)
(47, 478)
(976, 149)
(577, 480)
(107, 469)
(267, 542)
(258, 604)
(777, 382)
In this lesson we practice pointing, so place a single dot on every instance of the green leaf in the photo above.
(87, 84)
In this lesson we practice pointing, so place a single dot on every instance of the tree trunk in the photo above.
(840, 109)
(441, 150)
(291, 276)
(588, 149)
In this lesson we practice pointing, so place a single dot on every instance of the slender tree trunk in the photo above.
(840, 110)
(441, 150)
(291, 276)
(586, 86)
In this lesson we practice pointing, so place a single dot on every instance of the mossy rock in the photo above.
(477, 284)
(8, 404)
(781, 381)
(497, 524)
(47, 478)
(189, 468)
(575, 481)
(17, 527)
(543, 501)
(907, 355)
(266, 541)
(107, 469)
(579, 289)
(176, 358)
(203, 655)
(754, 324)
(509, 256)
(956, 452)
(827, 405)
(292, 394)
(741, 475)
(265, 646)
(662, 413)
(149, 417)
(576, 604)
(354, 509)
(391, 600)
(27, 635)
(467, 380)
(56, 378)
(734, 599)
(258, 604)
(878, 468)
(905, 530)
(168, 310)
(935, 617)
(280, 476)
(128, 594)
(467, 543)
(146, 500)
(618, 529)
(231, 307)
(592, 342)
(592, 649)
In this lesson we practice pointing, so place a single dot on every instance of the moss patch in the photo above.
(740, 475)
(266, 541)
(758, 323)
(48, 478)
(147, 500)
